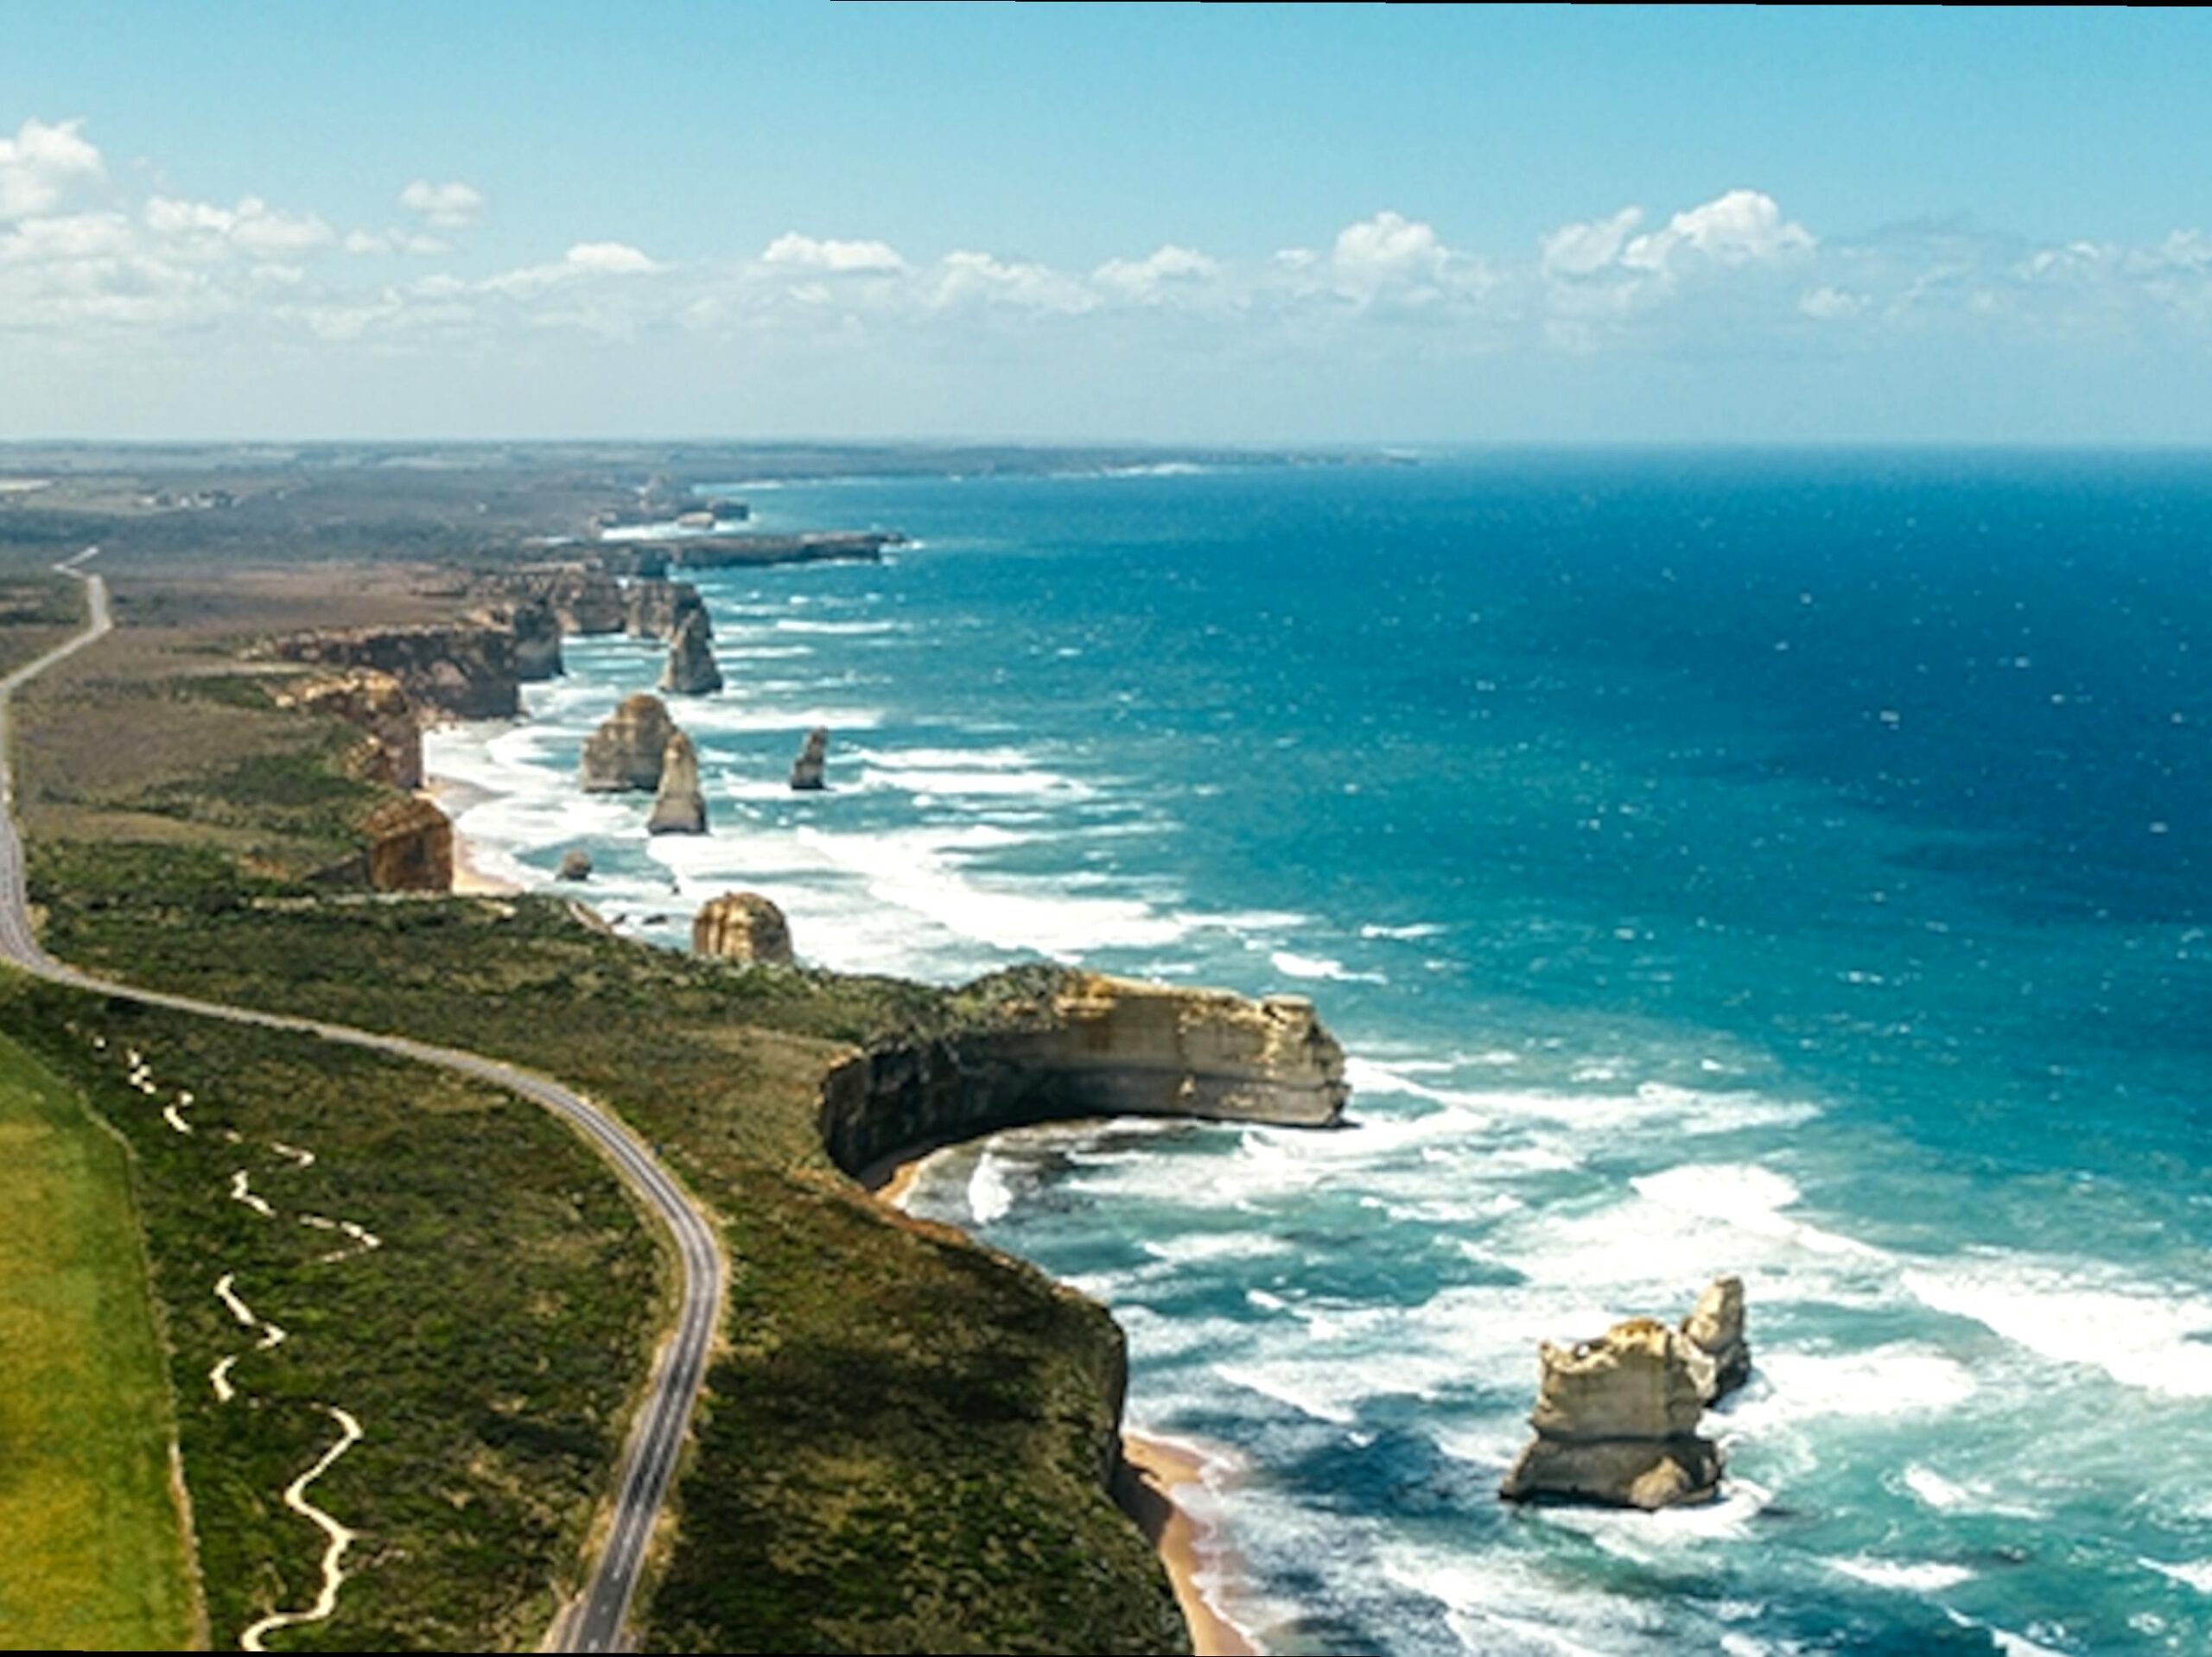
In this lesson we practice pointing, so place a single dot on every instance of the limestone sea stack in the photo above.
(806, 770)
(1616, 1420)
(679, 806)
(742, 926)
(576, 865)
(654, 609)
(1714, 1329)
(626, 751)
(691, 671)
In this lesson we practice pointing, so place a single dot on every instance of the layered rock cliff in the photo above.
(745, 551)
(1049, 1044)
(377, 703)
(627, 749)
(583, 599)
(690, 669)
(408, 846)
(1617, 1417)
(536, 630)
(742, 926)
(679, 803)
(654, 609)
(450, 670)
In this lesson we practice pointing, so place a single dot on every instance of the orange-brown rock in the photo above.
(626, 751)
(410, 847)
(742, 926)
(377, 703)
(454, 670)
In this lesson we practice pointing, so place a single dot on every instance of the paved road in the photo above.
(595, 1623)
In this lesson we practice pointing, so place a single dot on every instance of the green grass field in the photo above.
(92, 1552)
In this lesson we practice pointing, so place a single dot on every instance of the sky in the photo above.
(1262, 224)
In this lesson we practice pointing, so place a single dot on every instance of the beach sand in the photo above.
(1155, 1470)
(469, 880)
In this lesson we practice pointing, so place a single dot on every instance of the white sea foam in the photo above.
(1214, 1245)
(1924, 1577)
(990, 1198)
(1298, 965)
(1420, 929)
(1897, 1380)
(2197, 1573)
(2157, 1336)
(1932, 1490)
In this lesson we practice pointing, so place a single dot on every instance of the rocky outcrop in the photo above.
(690, 670)
(410, 847)
(537, 637)
(742, 926)
(654, 609)
(582, 599)
(627, 749)
(679, 806)
(452, 670)
(576, 865)
(1046, 1044)
(744, 552)
(1617, 1417)
(378, 704)
(806, 770)
(1714, 1329)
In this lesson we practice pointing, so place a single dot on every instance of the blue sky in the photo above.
(1229, 224)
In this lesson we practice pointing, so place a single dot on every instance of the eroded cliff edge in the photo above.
(1049, 1044)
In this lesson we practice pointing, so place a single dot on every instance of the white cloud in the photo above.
(1742, 227)
(1828, 304)
(793, 251)
(1389, 245)
(42, 164)
(966, 277)
(453, 206)
(252, 227)
(370, 242)
(1583, 249)
(1167, 268)
(608, 258)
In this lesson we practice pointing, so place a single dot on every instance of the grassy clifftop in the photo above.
(905, 1436)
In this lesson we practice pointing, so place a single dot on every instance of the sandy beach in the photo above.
(469, 880)
(1156, 1471)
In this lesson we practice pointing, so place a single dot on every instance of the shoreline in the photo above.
(1153, 1472)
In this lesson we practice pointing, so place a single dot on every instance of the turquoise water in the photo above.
(1796, 865)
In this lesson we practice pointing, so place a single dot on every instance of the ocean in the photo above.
(1795, 865)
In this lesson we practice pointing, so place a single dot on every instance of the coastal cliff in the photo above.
(450, 670)
(392, 751)
(1050, 1043)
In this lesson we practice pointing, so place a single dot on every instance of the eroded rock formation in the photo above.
(690, 670)
(1617, 1417)
(410, 847)
(1046, 1044)
(806, 770)
(654, 609)
(392, 752)
(450, 670)
(1715, 1328)
(679, 806)
(627, 749)
(742, 926)
(582, 599)
(576, 865)
(537, 637)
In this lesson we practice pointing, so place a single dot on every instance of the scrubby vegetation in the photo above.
(904, 1443)
(490, 1345)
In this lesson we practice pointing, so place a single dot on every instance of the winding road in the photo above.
(595, 1621)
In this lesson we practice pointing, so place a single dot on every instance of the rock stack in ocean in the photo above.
(679, 806)
(691, 671)
(742, 926)
(656, 608)
(1721, 1357)
(576, 865)
(627, 749)
(806, 770)
(1616, 1420)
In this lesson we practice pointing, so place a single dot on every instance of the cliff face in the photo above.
(410, 847)
(582, 599)
(654, 609)
(728, 551)
(537, 638)
(378, 704)
(453, 670)
(690, 669)
(626, 751)
(1057, 1045)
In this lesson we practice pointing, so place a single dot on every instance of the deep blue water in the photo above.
(1799, 865)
